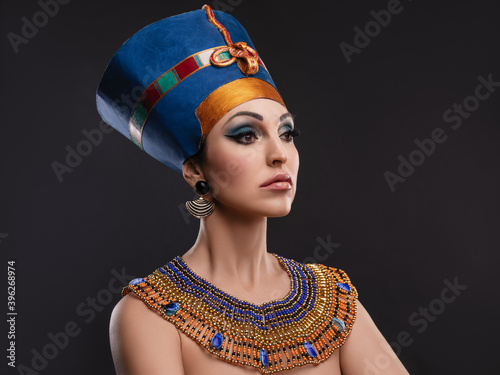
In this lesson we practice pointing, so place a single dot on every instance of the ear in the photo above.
(192, 172)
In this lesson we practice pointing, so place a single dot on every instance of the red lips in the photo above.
(280, 177)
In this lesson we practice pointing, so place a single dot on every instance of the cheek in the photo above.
(293, 160)
(229, 166)
(295, 157)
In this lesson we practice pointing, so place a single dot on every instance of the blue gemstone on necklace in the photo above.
(136, 281)
(216, 342)
(311, 350)
(344, 286)
(339, 324)
(264, 359)
(171, 308)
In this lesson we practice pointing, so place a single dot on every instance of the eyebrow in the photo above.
(256, 116)
(244, 113)
(285, 116)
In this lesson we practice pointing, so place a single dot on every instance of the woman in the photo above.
(227, 305)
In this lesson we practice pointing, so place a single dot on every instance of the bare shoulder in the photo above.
(366, 351)
(142, 342)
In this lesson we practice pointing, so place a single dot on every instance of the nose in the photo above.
(276, 152)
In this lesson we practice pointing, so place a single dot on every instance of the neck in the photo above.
(231, 246)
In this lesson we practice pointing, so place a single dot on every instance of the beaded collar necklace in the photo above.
(305, 326)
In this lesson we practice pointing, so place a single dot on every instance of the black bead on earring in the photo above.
(201, 187)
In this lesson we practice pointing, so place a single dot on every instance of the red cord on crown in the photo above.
(245, 56)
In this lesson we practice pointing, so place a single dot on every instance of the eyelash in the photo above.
(291, 133)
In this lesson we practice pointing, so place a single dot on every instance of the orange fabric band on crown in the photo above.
(230, 95)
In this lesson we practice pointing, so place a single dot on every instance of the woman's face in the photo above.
(245, 150)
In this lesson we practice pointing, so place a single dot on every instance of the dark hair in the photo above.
(199, 157)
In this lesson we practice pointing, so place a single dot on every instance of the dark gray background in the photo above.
(118, 209)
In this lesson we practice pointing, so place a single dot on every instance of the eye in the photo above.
(245, 138)
(290, 134)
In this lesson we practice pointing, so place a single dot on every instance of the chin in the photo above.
(265, 211)
(264, 208)
(277, 211)
(283, 214)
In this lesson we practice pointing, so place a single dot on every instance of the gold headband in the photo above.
(230, 95)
